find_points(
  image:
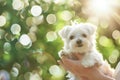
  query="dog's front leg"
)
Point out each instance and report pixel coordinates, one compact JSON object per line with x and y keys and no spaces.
{"x":88,"y":60}
{"x":62,"y":53}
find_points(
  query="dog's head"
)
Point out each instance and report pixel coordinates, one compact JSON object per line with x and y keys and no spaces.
{"x":78,"y":38}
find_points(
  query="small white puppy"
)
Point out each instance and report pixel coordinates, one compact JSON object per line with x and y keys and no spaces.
{"x":80,"y":38}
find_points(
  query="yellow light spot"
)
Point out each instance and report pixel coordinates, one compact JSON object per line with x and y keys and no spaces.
{"x":35,"y":76}
{"x":119,"y":41}
{"x":116,"y":34}
{"x":32,"y":36}
{"x":51,"y":36}
{"x":66,"y":15}
{"x":41,"y":58}
{"x":114,"y":56}
{"x":38,"y":20}
{"x":104,"y":41}
{"x":33,"y":29}
{"x":32,"y":21}
{"x":55,"y":71}
{"x":29,"y":21}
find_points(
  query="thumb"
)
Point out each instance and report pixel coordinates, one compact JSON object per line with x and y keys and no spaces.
{"x":71,"y":64}
{"x":67,"y":61}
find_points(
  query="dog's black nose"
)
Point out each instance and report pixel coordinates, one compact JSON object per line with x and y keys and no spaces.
{"x":79,"y":41}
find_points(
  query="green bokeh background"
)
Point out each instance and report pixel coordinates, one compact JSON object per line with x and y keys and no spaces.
{"x":44,"y":53}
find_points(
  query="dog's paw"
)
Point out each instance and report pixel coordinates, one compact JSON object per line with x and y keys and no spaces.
{"x":70,"y":76}
{"x":61,"y":53}
{"x":88,"y":63}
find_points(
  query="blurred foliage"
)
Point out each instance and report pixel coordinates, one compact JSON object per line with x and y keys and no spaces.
{"x":29,"y":43}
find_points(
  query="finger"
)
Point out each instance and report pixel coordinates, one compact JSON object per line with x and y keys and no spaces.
{"x":83,"y":78}
{"x":67,"y":61}
{"x":71,"y":65}
{"x":61,"y":63}
{"x":66,"y":65}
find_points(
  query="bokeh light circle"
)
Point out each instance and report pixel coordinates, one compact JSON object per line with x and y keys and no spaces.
{"x":17,"y":4}
{"x":4,"y":75}
{"x":36,"y":10}
{"x":55,"y":70}
{"x":51,"y":18}
{"x":25,"y":40}
{"x":66,"y":15}
{"x":7,"y":46}
{"x":51,"y":36}
{"x":15,"y":29}
{"x":2,"y":33}
{"x":114,"y":56}
{"x":15,"y":72}
{"x":116,"y":34}
{"x":2,"y":21}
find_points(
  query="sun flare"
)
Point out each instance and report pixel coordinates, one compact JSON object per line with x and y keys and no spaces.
{"x":102,"y":7}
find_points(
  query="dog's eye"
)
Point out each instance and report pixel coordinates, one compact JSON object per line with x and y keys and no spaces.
{"x":71,"y":37}
{"x":84,"y":35}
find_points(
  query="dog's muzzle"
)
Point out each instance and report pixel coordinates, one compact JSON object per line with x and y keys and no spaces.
{"x":79,"y":43}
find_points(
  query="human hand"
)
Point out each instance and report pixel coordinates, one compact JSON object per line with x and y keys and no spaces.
{"x":74,"y":66}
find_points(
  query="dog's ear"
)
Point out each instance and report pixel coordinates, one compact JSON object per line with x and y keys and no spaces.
{"x":64,"y":32}
{"x":91,"y":29}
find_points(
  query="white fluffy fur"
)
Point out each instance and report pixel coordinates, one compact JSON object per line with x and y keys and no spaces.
{"x":84,"y":33}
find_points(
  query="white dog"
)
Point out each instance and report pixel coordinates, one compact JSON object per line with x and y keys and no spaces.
{"x":80,"y":38}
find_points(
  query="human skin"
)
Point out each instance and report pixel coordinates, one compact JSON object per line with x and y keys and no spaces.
{"x":74,"y":66}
